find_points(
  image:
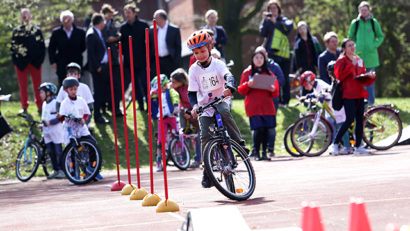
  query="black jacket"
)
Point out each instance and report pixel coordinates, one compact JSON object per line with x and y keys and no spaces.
{"x":27,"y":46}
{"x":62,"y":50}
{"x":137,"y":31}
{"x":221,"y":39}
{"x":111,"y":31}
{"x":173,"y":41}
{"x":95,"y":50}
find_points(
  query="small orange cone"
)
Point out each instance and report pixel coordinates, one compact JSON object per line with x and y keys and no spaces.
{"x":311,"y":220}
{"x":359,"y":220}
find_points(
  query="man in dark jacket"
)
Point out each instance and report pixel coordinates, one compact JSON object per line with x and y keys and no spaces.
{"x":67,"y":44}
{"x":28,"y":51}
{"x":135,"y":28}
{"x":275,"y":28}
{"x":169,"y":43}
{"x":98,"y":65}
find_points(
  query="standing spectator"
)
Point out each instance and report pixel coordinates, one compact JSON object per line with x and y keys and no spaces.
{"x":259,"y":105}
{"x":67,"y":44}
{"x":307,"y":49}
{"x":276,"y":28}
{"x":135,"y":28}
{"x":98,"y":64}
{"x":347,"y":67}
{"x":112,"y":36}
{"x":28,"y":51}
{"x":368,"y":35}
{"x":220,"y":37}
{"x":169,"y":43}
{"x":330,"y":54}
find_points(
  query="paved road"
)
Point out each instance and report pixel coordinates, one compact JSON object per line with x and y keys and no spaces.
{"x":383,"y":180}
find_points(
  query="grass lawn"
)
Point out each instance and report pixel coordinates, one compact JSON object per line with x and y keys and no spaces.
{"x":13,"y":142}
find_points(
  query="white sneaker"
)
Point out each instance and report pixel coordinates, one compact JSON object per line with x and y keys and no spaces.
{"x":344,"y":151}
{"x":334,"y":149}
{"x":361,"y":151}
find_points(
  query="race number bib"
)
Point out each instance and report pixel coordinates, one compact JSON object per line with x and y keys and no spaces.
{"x":210,"y":81}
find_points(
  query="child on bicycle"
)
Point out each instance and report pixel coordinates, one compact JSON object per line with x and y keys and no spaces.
{"x":74,"y":70}
{"x":210,"y":78}
{"x":52,"y":129}
{"x":179,"y":81}
{"x":75,"y":106}
{"x":321,"y":90}
{"x":169,"y":107}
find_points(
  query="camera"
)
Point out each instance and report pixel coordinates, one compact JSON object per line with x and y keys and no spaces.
{"x":269,"y":15}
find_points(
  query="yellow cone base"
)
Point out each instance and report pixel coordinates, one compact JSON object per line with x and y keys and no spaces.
{"x":138,"y":194}
{"x":167,"y":206}
{"x":151,"y":200}
{"x":128,"y":188}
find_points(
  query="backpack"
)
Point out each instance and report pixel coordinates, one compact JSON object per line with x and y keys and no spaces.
{"x":357,"y":27}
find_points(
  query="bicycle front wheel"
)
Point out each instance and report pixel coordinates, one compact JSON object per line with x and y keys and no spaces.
{"x":179,"y":152}
{"x":287,"y":141}
{"x":311,"y":143}
{"x":82,"y":163}
{"x":235,"y":182}
{"x":382,"y":129}
{"x":27,"y":162}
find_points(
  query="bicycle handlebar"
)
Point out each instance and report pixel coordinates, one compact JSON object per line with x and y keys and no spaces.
{"x":28,"y":119}
{"x":217,"y":100}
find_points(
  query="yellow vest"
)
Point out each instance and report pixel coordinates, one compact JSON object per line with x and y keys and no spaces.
{"x":280,"y":43}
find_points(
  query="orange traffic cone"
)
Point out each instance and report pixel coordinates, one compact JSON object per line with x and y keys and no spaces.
{"x":358,"y":216}
{"x":311,"y":220}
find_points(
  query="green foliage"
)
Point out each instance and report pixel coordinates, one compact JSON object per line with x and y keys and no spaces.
{"x":45,"y":14}
{"x":394,"y":53}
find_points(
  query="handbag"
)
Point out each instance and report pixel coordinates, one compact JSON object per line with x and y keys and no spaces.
{"x":337,"y":97}
{"x":4,"y":127}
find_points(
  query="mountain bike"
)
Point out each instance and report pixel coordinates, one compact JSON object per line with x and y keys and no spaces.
{"x":32,"y":154}
{"x":81,"y":156}
{"x":226,"y":162}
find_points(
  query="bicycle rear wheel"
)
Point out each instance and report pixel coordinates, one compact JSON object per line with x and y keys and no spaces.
{"x":287,"y":141}
{"x":307,"y":143}
{"x":83,"y":163}
{"x":236,"y":183}
{"x":27,"y":164}
{"x":382,"y":129}
{"x":179,"y":152}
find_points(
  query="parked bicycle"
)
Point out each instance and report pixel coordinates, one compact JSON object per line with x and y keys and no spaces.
{"x":33,"y":154}
{"x":81,"y":156}
{"x":226,"y":162}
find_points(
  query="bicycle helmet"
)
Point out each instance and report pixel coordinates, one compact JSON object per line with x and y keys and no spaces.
{"x":69,"y":82}
{"x":73,"y":65}
{"x":306,"y":77}
{"x":331,"y":67}
{"x":46,"y":86}
{"x":154,"y":83}
{"x":199,"y":39}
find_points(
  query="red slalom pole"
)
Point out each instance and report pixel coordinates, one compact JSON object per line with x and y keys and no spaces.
{"x":125,"y":113}
{"x":117,"y":186}
{"x":149,"y":108}
{"x":161,"y":121}
{"x":135,"y":113}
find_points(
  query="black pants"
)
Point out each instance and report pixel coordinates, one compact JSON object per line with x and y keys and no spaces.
{"x":101,"y":82}
{"x":116,"y":78}
{"x":167,"y":65}
{"x":140,"y":84}
{"x":354,"y":109}
{"x":285,"y":89}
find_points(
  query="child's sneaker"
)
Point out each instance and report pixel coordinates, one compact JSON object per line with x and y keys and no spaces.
{"x":159,"y":167}
{"x":52,"y":175}
{"x":361,"y":151}
{"x":98,"y":177}
{"x":194,"y":164}
{"x":206,"y":182}
{"x":344,"y":151}
{"x":334,"y":149}
{"x":60,"y":175}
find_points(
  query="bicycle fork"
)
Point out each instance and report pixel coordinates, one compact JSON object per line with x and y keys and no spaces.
{"x":227,"y":146}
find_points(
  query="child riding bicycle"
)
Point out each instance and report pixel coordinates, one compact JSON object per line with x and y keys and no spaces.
{"x":52,"y":129}
{"x":74,"y":107}
{"x":210,"y":78}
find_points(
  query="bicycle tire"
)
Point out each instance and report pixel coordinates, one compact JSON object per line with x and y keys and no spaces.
{"x":303,"y":127}
{"x":214,"y":146}
{"x":34,"y":163}
{"x":373,"y":134}
{"x":72,"y":169}
{"x":289,"y":147}
{"x":181,"y":158}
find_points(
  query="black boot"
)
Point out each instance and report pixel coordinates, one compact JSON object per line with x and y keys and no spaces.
{"x":206,"y":182}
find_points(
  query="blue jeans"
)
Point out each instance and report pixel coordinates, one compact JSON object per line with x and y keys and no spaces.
{"x":56,"y":155}
{"x":371,"y":89}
